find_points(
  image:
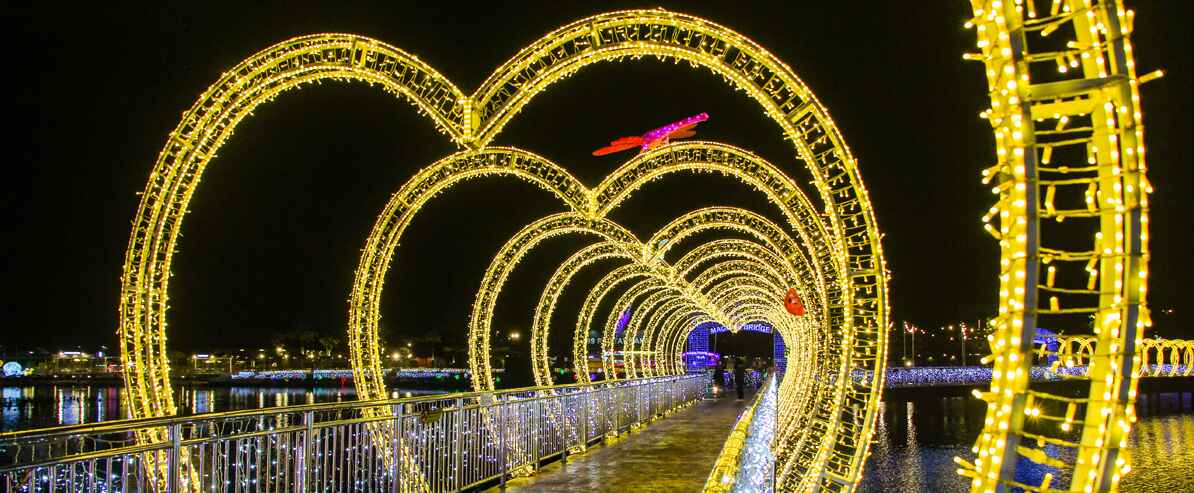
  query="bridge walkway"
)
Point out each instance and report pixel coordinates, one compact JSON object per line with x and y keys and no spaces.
{"x":673,"y":454}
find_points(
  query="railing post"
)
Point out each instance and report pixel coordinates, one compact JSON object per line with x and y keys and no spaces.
{"x":396,"y":446}
{"x":584,"y":413}
{"x":173,"y":459}
{"x":502,"y":444}
{"x":638,"y":406}
{"x":308,"y":445}
{"x":655,"y":399}
{"x":622,"y":409}
{"x":563,"y":432}
{"x":583,"y":416}
{"x":458,"y":443}
{"x":537,"y":426}
{"x":616,"y":402}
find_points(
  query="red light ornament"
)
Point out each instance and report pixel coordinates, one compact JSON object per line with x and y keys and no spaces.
{"x":793,"y":304}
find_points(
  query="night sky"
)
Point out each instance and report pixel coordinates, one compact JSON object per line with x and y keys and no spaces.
{"x":277,"y":224}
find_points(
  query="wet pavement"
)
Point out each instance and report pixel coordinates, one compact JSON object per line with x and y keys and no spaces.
{"x":675,"y":453}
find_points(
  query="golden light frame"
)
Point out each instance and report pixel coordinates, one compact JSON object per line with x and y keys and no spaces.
{"x":840,"y":241}
{"x":1065,"y":109}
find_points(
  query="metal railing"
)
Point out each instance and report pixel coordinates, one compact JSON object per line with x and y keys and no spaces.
{"x":436,"y":443}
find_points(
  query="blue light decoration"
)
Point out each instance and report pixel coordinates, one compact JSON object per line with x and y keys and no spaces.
{"x":699,"y":361}
{"x":930,"y":376}
{"x":779,"y":355}
{"x":1048,"y":339}
{"x":761,"y":328}
{"x":13,"y":369}
{"x":698,"y":341}
{"x":698,"y":358}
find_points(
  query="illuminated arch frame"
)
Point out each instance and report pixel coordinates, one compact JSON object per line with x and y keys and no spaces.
{"x":695,"y":156}
{"x":546,"y":305}
{"x":778,"y":188}
{"x":695,"y":221}
{"x":1095,"y":85}
{"x":700,"y":220}
{"x":723,"y":218}
{"x":640,"y":359}
{"x":1081,"y":351}
{"x":473,"y":122}
{"x":789,"y":421}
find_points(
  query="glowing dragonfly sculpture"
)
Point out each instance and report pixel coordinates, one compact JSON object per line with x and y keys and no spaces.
{"x":655,"y":138}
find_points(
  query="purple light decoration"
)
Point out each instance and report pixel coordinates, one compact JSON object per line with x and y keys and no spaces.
{"x":287,"y":375}
{"x":623,"y":321}
{"x":650,"y":138}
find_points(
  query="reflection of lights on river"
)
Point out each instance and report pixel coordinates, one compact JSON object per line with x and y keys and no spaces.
{"x":70,"y":405}
{"x":203,"y":401}
{"x":11,"y":404}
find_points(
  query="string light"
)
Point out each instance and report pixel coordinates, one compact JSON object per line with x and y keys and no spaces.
{"x":1098,"y":157}
{"x":840,"y":236}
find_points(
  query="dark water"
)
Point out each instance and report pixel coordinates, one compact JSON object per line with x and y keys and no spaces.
{"x":38,"y":406}
{"x":916,"y":442}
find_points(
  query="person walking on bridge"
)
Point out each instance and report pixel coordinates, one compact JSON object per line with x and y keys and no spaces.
{"x":740,"y":378}
{"x":719,"y":377}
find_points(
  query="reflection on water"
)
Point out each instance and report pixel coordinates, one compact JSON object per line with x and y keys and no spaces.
{"x":916,"y":442}
{"x":1163,"y":459}
{"x":38,"y":406}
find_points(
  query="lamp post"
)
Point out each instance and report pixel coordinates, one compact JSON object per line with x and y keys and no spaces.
{"x":913,"y":345}
{"x":904,"y":343}
{"x":962,"y":338}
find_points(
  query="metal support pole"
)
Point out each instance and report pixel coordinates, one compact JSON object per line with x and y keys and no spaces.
{"x":173,"y":459}
{"x":638,"y":405}
{"x":396,"y":449}
{"x":502,"y":445}
{"x":308,"y":452}
{"x":962,"y":330}
{"x":564,"y":420}
{"x":619,"y":409}
{"x":458,"y":443}
{"x":537,"y":433}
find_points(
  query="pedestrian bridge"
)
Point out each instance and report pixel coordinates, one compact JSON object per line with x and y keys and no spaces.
{"x":659,"y":434}
{"x":672,"y":433}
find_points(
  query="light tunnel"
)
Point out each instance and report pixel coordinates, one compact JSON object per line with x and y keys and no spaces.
{"x":827,"y":246}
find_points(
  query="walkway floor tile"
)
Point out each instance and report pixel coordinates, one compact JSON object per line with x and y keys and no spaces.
{"x":673,"y":454}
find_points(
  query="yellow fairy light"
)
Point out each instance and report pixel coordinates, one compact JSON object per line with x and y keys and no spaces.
{"x":1110,"y":166}
{"x":833,"y":249}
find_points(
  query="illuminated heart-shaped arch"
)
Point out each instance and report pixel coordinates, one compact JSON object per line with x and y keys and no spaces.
{"x":851,"y":243}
